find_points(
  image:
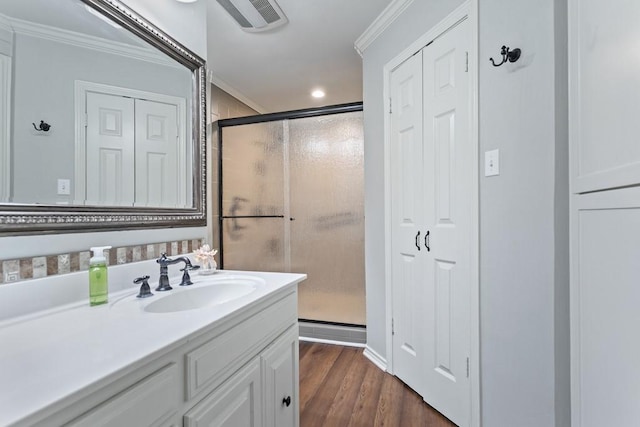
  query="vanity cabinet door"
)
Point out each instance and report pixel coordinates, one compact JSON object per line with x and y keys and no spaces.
{"x":237,"y":403}
{"x":280,"y":380}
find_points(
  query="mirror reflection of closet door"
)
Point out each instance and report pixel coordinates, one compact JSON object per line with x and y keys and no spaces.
{"x":131,"y":151}
{"x":110,"y":150}
{"x":157,"y":181}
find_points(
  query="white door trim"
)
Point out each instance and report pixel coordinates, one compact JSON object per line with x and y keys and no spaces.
{"x":5,"y":128}
{"x":184,"y":129}
{"x":468,"y":10}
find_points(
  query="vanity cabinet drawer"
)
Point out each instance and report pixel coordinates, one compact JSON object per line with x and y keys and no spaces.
{"x":150,"y":402}
{"x":210,"y":364}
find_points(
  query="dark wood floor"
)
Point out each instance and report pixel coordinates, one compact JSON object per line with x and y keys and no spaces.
{"x":339,"y":387}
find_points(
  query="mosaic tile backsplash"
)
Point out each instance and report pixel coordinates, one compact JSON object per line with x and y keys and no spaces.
{"x":17,"y":270}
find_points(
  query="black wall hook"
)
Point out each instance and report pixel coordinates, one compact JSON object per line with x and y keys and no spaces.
{"x":507,"y":55}
{"x":44,"y":127}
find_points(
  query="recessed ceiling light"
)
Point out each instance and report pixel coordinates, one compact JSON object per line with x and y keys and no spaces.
{"x":187,"y":1}
{"x":318,"y":93}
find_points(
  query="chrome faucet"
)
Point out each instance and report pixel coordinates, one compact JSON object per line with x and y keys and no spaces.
{"x":163,"y":283}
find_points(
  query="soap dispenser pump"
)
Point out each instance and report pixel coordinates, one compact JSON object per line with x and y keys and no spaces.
{"x":98,"y":282}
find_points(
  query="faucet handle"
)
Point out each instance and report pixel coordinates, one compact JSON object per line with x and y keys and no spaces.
{"x":163,"y":259}
{"x":186,"y":279}
{"x":145,"y":291}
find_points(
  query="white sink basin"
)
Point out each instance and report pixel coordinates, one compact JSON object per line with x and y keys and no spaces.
{"x":204,"y":293}
{"x":205,"y":296}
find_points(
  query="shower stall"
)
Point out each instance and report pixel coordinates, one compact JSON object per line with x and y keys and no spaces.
{"x":291,"y":199}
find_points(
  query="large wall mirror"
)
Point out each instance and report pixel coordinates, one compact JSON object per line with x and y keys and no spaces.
{"x":102,"y":120}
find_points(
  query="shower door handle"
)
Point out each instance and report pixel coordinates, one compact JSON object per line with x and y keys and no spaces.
{"x":418,"y":240}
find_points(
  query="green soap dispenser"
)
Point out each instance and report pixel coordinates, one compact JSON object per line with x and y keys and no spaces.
{"x":98,"y":283}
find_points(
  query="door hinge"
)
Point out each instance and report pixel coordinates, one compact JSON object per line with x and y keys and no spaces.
{"x":86,"y":120}
{"x":390,"y":108}
{"x":393,"y":331}
{"x":466,"y":67}
{"x":467,"y":367}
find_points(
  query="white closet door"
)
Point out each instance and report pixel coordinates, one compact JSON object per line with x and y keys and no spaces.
{"x":110,"y":150}
{"x":157,"y":181}
{"x":432,"y":188}
{"x":448,"y":165}
{"x":407,"y":213}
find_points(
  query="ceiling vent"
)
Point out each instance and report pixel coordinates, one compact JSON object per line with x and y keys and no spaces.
{"x":255,"y":15}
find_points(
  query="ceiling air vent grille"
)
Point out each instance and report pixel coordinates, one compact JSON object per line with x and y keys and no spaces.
{"x":266,"y":10}
{"x":255,"y":15}
{"x":235,"y":13}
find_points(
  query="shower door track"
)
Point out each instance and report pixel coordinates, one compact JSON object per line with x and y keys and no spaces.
{"x":252,"y":216}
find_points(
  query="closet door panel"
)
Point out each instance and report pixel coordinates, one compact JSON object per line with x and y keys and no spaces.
{"x":448,"y":193}
{"x":407,"y":216}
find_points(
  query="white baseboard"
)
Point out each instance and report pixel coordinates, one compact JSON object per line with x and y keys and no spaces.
{"x":374,"y":357}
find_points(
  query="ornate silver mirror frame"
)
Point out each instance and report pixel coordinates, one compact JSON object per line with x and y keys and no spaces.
{"x":18,"y":219}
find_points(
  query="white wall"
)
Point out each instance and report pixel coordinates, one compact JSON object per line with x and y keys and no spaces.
{"x":523,"y":212}
{"x":187,"y":24}
{"x":517,"y":116}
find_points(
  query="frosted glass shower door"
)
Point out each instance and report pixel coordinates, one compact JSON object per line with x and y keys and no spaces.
{"x":327,"y":201}
{"x":252,"y":221}
{"x":292,"y":201}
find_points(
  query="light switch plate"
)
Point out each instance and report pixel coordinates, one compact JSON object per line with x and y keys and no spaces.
{"x":492,"y":163}
{"x":64,"y":187}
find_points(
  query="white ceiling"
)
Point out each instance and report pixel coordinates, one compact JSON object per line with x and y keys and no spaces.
{"x":72,"y":15}
{"x":277,"y":70}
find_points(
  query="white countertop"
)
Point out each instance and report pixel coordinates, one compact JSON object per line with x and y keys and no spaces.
{"x":50,"y":355}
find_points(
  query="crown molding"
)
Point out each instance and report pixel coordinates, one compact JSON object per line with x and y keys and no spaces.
{"x":213,"y":79}
{"x":4,"y":23}
{"x":86,"y":41}
{"x":377,"y":27}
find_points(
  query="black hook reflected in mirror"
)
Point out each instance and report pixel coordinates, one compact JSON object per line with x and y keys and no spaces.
{"x":507,"y":55}
{"x":44,"y":127}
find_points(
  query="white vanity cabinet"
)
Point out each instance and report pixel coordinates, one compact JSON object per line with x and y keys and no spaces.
{"x":281,"y":382}
{"x":238,"y":402}
{"x":263,"y":393}
{"x":150,"y":402}
{"x":241,"y":370}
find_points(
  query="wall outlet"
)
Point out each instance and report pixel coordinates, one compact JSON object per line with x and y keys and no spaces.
{"x":64,"y":187}
{"x":11,"y":276}
{"x":492,"y":163}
